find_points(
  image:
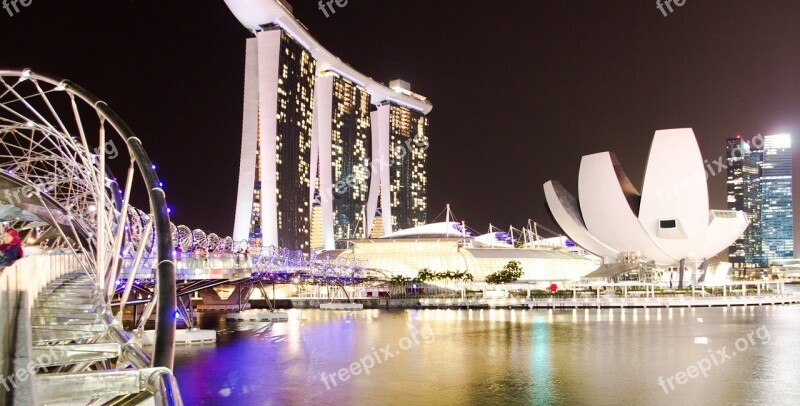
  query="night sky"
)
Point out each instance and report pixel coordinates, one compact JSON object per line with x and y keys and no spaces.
{"x":520,"y":89}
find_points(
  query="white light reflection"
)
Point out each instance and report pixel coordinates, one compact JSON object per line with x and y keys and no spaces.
{"x":541,"y":390}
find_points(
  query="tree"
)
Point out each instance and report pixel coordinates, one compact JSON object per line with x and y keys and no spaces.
{"x":510,"y":273}
{"x":425,"y":275}
{"x":514,"y":269}
{"x":399,"y":280}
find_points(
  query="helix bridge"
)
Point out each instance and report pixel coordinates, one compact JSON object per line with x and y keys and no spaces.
{"x":97,"y":244}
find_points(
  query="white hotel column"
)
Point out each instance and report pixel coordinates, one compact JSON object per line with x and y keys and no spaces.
{"x":321,"y":147}
{"x":379,"y":179}
{"x":269,"y":47}
{"x":266,"y":54}
{"x":247,"y":163}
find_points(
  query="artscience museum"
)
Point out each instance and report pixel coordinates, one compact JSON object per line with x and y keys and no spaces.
{"x":668,"y":221}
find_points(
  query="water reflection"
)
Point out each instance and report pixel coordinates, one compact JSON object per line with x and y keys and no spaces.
{"x":494,"y":357}
{"x":541,"y":392}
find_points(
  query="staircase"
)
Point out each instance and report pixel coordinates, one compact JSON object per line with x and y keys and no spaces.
{"x":75,"y":352}
{"x":85,"y":355}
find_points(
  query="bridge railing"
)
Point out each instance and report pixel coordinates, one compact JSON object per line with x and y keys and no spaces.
{"x":189,"y":266}
{"x":194,"y":261}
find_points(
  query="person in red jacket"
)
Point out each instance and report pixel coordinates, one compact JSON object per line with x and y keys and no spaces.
{"x":10,"y":248}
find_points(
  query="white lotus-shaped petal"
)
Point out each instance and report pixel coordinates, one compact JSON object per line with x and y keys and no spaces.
{"x":668,"y":222}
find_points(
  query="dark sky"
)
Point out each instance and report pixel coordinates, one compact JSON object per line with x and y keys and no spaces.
{"x":521,"y":89}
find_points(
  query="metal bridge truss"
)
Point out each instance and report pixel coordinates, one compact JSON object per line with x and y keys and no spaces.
{"x":58,"y":146}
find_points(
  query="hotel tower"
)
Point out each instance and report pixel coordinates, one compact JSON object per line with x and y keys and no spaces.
{"x":327,"y":152}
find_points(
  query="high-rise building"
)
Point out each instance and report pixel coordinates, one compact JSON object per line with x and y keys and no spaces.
{"x":760,"y":184}
{"x":273,"y":204}
{"x":776,"y":191}
{"x":744,"y":193}
{"x":321,"y":139}
{"x":399,"y":183}
{"x":344,"y":146}
{"x":408,"y":139}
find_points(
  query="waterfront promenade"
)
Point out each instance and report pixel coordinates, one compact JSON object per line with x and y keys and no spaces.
{"x":577,"y":302}
{"x":615,"y":302}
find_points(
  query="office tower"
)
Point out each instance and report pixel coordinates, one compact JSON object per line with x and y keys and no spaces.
{"x":744,"y":193}
{"x":776,"y":193}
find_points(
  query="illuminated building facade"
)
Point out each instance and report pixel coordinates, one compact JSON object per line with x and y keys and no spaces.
{"x":351,"y":139}
{"x":343,"y":145}
{"x":760,"y":184}
{"x":409,"y":143}
{"x":399,"y":181}
{"x":744,"y":194}
{"x":276,"y":152}
{"x":776,"y":191}
{"x":320,"y":159}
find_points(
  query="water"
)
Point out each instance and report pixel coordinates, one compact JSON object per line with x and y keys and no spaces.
{"x":500,"y":357}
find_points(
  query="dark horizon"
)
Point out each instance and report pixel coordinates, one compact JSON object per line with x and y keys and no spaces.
{"x":519,"y":92}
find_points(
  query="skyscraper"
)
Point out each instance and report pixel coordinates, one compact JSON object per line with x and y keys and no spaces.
{"x":343,"y":145}
{"x":319,"y":139}
{"x":408,"y":139}
{"x":744,"y":193}
{"x":776,"y":191}
{"x":399,"y":182}
{"x":273,"y":203}
{"x":760,"y":184}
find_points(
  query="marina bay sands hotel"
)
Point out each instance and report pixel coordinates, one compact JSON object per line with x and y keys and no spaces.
{"x":327,"y":152}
